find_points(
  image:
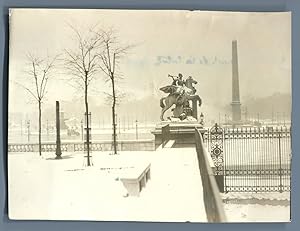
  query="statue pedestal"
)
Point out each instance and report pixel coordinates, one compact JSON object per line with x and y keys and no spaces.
{"x":183,"y":132}
{"x":195,"y":109}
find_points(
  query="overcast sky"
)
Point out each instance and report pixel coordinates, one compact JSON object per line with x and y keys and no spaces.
{"x":168,"y":42}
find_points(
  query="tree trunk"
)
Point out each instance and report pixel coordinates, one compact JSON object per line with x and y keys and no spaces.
{"x":87,"y":123}
{"x":114,"y":116}
{"x":40,"y":127}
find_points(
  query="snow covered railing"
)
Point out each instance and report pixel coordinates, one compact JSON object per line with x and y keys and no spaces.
{"x":211,"y":195}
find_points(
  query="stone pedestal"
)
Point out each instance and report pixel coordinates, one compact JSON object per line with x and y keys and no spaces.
{"x":182,"y":132}
{"x":195,"y":109}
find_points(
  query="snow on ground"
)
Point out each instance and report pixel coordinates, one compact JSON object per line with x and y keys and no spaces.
{"x":257,"y":207}
{"x":278,"y":197}
{"x":45,"y":188}
{"x":256,"y":213}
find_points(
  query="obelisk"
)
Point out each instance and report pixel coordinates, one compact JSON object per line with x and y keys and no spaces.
{"x":235,"y":104}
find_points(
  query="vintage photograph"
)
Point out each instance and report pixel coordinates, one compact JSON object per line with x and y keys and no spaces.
{"x":149,"y":115}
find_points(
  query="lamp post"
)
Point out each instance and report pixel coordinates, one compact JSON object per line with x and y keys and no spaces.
{"x":81,"y":123}
{"x":123,"y":123}
{"x":202,"y":119}
{"x":47,"y":129}
{"x":58,"y":141}
{"x":28,"y":130}
{"x":136,"y":129}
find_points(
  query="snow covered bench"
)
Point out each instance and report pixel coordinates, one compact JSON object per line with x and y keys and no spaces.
{"x":135,"y":179}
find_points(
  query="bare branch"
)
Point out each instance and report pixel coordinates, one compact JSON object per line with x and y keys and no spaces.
{"x":38,"y":71}
{"x":82,"y":62}
{"x":28,"y":90}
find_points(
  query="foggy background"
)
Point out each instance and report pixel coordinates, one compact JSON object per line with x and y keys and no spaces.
{"x":167,"y":42}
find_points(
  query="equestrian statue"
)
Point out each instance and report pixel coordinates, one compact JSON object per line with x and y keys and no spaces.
{"x":180,"y":92}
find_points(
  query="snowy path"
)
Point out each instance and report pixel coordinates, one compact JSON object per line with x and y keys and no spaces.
{"x":176,"y":188}
{"x":41,"y":188}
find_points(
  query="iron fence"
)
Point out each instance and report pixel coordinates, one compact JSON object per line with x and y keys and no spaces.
{"x":252,"y":159}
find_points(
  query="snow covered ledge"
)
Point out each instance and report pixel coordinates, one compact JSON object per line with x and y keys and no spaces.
{"x":212,"y":200}
{"x":134,"y":180}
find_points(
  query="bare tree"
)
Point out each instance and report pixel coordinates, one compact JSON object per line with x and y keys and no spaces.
{"x":39,"y":71}
{"x":110,"y":58}
{"x":81,"y":62}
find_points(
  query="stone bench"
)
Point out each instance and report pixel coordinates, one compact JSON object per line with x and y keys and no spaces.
{"x":135,"y":179}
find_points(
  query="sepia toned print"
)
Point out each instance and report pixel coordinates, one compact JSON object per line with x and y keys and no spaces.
{"x":149,"y":115}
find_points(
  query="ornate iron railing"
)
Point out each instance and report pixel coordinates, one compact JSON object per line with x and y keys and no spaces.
{"x":212,"y":200}
{"x":252,"y":159}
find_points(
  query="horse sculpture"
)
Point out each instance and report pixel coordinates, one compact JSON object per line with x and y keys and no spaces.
{"x":168,"y":101}
{"x":178,"y":99}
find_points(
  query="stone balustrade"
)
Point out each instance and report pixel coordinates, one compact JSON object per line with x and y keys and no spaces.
{"x":78,"y":146}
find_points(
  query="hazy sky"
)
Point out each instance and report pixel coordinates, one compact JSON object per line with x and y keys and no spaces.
{"x":168,"y":42}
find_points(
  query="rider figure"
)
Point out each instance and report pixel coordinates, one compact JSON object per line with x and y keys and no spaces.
{"x":177,"y":80}
{"x":179,"y":83}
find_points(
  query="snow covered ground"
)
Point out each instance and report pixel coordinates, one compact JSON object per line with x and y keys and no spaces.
{"x":257,"y":213}
{"x":49,"y":189}
{"x":45,"y":188}
{"x":257,"y":207}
